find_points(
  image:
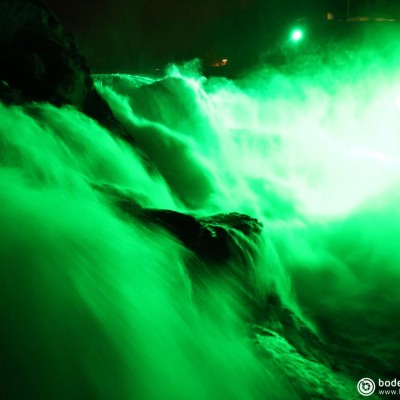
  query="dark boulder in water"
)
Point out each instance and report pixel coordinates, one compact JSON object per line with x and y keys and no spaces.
{"x":216,"y":238}
{"x":40,"y":62}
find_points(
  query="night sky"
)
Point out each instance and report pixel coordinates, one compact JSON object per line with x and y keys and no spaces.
{"x":132,"y":34}
{"x":129,"y":35}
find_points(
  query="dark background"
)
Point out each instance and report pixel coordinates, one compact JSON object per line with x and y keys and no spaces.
{"x":134,"y":35}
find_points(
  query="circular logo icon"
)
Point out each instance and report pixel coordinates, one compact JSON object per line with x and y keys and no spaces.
{"x":366,"y":386}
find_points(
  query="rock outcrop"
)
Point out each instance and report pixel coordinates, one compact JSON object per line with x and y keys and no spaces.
{"x":40,"y":62}
{"x":217,"y":238}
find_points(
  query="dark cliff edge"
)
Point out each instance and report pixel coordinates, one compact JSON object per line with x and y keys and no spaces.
{"x":40,"y":62}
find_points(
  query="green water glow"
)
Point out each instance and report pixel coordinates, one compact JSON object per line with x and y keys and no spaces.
{"x":99,"y":306}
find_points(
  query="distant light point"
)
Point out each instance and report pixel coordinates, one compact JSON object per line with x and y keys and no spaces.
{"x":297,"y":35}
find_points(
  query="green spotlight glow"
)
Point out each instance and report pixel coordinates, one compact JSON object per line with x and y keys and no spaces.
{"x":297,"y":34}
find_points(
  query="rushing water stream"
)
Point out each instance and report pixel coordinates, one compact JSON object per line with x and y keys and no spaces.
{"x":312,"y":151}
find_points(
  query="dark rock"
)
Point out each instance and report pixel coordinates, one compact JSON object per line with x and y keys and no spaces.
{"x":39,"y":62}
{"x":225,"y":244}
{"x":9,"y":95}
{"x":217,"y":238}
{"x":38,"y":58}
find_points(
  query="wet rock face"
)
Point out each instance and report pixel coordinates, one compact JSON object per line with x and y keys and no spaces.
{"x":217,"y":238}
{"x":40,"y":62}
{"x":38,"y":59}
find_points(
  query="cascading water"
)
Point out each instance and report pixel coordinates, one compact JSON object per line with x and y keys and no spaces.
{"x":312,"y":152}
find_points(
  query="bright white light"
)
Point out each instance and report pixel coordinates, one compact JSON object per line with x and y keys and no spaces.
{"x":297,"y":34}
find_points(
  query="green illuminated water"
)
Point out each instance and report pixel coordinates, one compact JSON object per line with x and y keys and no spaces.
{"x":96,"y":306}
